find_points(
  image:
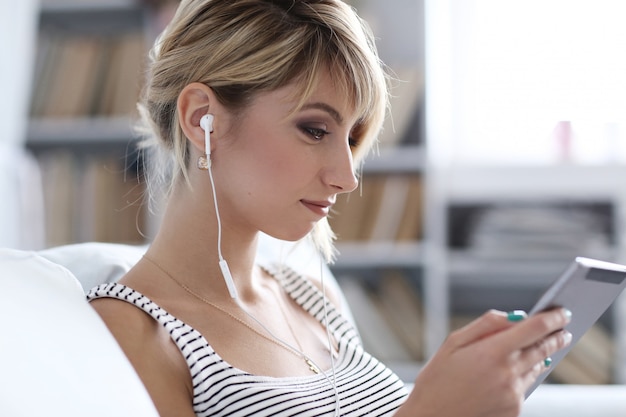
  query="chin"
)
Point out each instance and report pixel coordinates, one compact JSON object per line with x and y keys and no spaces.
{"x":289,"y":235}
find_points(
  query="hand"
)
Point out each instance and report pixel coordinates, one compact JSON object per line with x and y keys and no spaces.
{"x":485,"y":368}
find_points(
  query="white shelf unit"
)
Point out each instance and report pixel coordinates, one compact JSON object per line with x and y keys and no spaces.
{"x":450,"y":183}
{"x":101,"y":18}
{"x":99,"y":15}
{"x":51,"y":132}
{"x":364,"y":259}
{"x":398,"y":26}
{"x":89,"y":136}
{"x":389,"y":161}
{"x":496,"y":278}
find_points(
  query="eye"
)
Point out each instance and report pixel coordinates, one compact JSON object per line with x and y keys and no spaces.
{"x":315,"y":132}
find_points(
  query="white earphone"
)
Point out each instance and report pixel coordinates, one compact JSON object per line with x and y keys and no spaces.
{"x":206,"y":123}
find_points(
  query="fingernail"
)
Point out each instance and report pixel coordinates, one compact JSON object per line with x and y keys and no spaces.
{"x":567,"y":313}
{"x":516,"y":315}
{"x":547,"y":362}
{"x":567,"y":338}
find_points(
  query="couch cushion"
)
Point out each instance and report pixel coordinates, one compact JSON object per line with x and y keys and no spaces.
{"x":57,"y":357}
{"x":95,"y":263}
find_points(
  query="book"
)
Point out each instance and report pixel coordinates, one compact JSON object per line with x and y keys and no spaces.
{"x":372,"y":199}
{"x":353,"y":214}
{"x":378,"y":338}
{"x":84,"y":76}
{"x":90,"y":199}
{"x":411,"y":221}
{"x":72,"y":84}
{"x":590,"y":361}
{"x":401,"y":306}
{"x":389,"y":215}
{"x":389,"y":208}
{"x":404,"y":101}
{"x":46,"y":65}
{"x":59,"y":187}
{"x":122,"y":78}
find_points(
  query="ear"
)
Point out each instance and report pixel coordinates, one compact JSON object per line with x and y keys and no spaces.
{"x":194,"y":101}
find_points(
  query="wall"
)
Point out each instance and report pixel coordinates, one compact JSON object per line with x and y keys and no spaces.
{"x":17,"y":173}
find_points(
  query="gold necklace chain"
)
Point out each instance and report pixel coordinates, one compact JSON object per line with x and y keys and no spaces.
{"x":273,"y":340}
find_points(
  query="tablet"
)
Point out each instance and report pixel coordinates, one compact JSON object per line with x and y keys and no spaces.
{"x":587,"y":288}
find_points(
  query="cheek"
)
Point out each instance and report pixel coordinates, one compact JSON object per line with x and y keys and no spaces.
{"x":279,"y":166}
{"x":275,"y":172}
{"x":258,"y":171}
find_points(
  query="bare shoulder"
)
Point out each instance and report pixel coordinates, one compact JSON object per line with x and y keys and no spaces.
{"x":129,"y":324}
{"x":152,"y":353}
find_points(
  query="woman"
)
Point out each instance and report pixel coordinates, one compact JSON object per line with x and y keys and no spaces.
{"x":266,"y":109}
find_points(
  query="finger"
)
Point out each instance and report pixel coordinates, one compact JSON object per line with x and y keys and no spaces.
{"x":532,"y":330}
{"x":544,"y":349}
{"x":531,"y":376}
{"x":528,"y":379}
{"x":486,"y":325}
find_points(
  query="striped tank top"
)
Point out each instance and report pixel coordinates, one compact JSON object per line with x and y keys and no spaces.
{"x":366,"y":387}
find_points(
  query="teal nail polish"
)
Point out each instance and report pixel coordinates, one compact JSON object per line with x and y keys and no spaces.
{"x":516,"y":315}
{"x":547,"y":362}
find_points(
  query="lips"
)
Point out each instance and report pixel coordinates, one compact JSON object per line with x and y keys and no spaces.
{"x":320,"y":208}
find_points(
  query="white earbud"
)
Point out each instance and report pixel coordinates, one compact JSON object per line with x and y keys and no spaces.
{"x":206,"y":123}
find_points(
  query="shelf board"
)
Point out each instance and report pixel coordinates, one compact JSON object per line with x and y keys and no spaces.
{"x":81,"y":131}
{"x":397,"y":159}
{"x":468,"y":270}
{"x":379,"y":254}
{"x":502,"y":183}
{"x":99,"y":17}
{"x":68,"y":6}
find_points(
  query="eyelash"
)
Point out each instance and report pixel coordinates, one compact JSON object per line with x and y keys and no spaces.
{"x":318,"y":134}
{"x":315,"y":132}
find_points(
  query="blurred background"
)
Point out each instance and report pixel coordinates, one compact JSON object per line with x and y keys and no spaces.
{"x":502,"y":159}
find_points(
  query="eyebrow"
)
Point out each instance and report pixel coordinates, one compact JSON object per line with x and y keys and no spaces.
{"x":327,"y":108}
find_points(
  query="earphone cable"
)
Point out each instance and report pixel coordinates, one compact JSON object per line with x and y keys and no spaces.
{"x":328,"y":337}
{"x":217,"y":212}
{"x":332,"y":381}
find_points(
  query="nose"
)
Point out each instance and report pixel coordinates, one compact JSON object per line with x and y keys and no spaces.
{"x":340,"y":170}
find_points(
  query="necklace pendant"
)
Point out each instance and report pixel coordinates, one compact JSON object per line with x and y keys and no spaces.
{"x":312,"y":366}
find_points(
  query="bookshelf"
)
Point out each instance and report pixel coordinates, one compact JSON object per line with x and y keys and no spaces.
{"x":471,"y":281}
{"x":382,"y":262}
{"x":87,"y":78}
{"x":381,"y":249}
{"x":541,"y":217}
{"x":443,"y":286}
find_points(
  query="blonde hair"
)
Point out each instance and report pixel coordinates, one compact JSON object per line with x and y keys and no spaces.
{"x":241,"y":48}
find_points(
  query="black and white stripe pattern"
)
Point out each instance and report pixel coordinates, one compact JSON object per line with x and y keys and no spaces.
{"x":366,"y":387}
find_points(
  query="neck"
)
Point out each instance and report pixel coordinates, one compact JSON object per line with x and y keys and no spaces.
{"x":187,"y":246}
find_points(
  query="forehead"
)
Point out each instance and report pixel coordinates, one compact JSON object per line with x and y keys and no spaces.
{"x":324,"y":94}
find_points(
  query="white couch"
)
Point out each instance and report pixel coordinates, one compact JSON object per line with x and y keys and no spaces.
{"x":57,"y":357}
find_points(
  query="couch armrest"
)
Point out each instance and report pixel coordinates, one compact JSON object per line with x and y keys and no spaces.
{"x":56,"y":355}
